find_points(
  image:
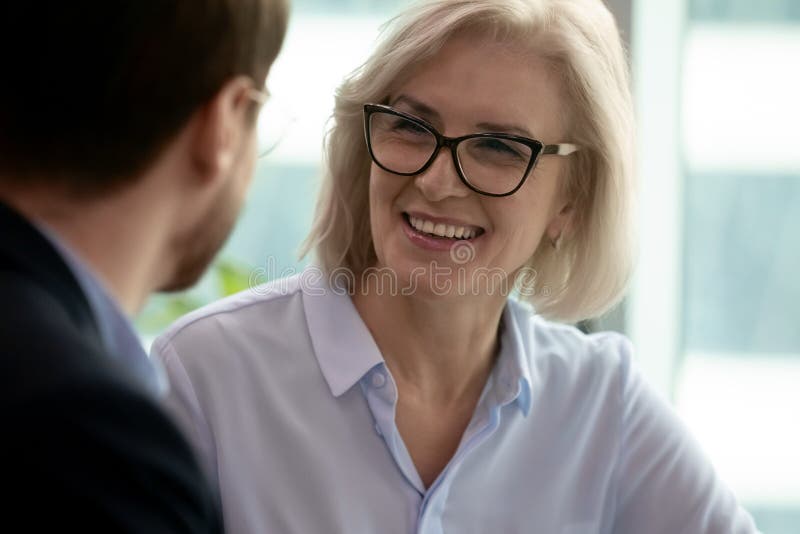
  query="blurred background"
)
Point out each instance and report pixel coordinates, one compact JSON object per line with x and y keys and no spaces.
{"x":714,"y":310}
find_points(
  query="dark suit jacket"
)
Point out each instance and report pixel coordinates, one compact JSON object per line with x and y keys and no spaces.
{"x":83,"y":447}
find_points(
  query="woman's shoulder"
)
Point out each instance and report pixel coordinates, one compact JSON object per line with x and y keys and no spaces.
{"x":257,"y":311}
{"x":556,"y":348}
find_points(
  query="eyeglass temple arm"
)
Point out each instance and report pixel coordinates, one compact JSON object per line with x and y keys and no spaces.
{"x":562,"y":149}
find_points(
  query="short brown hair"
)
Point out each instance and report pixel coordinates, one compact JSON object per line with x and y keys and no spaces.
{"x":94,"y":89}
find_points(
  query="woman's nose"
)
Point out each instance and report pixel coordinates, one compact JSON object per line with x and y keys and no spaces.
{"x":441,"y":179}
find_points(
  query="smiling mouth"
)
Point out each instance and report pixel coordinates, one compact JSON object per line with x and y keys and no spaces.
{"x":442,"y":231}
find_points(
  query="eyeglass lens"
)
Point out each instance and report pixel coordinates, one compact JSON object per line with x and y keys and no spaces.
{"x":491,"y":164}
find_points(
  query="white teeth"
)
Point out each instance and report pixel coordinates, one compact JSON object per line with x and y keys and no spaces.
{"x":441,"y":229}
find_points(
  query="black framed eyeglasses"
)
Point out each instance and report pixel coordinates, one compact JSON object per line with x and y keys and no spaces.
{"x":493,"y":164}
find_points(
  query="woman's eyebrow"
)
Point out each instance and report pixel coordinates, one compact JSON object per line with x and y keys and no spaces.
{"x":505,"y":128}
{"x":432,"y":115}
{"x":418,"y":107}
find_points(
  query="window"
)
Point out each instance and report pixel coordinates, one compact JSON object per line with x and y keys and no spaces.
{"x":717,"y":84}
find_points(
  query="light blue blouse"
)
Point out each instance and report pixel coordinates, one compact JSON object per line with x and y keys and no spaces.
{"x":291,"y":408}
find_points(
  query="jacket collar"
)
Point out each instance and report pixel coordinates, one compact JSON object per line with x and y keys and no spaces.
{"x":25,"y":251}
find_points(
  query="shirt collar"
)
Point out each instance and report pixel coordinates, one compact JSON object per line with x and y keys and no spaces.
{"x":330,"y":313}
{"x":512,"y":374}
{"x":345,"y":359}
{"x":116,"y":331}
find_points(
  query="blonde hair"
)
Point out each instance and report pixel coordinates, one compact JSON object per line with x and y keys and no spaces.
{"x":588,"y":273}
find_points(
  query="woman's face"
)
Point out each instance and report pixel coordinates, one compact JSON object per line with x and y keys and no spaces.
{"x":470,"y":87}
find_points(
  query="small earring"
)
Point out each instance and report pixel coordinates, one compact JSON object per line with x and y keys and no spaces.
{"x":556,"y":243}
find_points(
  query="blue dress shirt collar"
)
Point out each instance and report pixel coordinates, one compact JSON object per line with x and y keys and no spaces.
{"x":116,"y":331}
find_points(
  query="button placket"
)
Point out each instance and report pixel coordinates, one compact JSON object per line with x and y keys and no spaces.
{"x":381,"y":396}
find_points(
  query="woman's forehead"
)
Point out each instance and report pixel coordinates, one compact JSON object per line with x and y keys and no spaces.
{"x":484,"y":83}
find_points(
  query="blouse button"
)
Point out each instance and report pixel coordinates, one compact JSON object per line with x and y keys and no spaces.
{"x":378,"y":379}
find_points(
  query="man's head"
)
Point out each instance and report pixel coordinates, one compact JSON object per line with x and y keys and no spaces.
{"x":100,"y":94}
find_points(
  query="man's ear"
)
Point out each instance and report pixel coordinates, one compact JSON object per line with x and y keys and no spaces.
{"x":218,"y":128}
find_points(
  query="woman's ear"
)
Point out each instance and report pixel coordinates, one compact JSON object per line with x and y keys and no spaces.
{"x":561,"y":223}
{"x":220,"y":127}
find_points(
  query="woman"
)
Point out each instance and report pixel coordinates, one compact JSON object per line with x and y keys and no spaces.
{"x":396,"y":387}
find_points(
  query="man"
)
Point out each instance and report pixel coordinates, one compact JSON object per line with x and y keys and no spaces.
{"x":127,"y":141}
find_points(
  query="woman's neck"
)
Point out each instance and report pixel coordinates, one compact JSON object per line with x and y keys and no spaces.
{"x":440,"y":350}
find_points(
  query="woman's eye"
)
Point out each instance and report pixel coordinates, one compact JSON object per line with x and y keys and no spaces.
{"x":498,"y":146}
{"x":408,"y":126}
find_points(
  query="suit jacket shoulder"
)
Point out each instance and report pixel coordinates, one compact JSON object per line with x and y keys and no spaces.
{"x":84,"y":446}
